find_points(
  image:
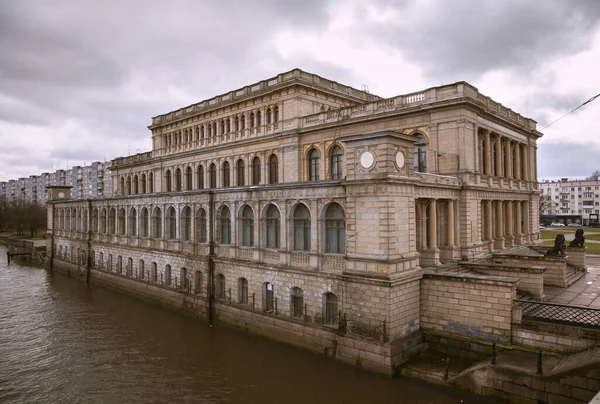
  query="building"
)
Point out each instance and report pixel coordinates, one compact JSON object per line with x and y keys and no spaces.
{"x":565,"y":201}
{"x":86,"y":182}
{"x":307,"y":210}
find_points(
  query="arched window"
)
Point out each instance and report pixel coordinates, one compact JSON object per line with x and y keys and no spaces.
{"x":212,"y":176}
{"x":122,"y":186}
{"x":95,"y":220}
{"x":157,"y":223}
{"x":301,"y":228}
{"x":189,"y":177}
{"x":101,"y":260}
{"x":336,"y":163}
{"x":273,"y":169}
{"x":168,"y":274}
{"x":331,"y":310}
{"x":258,"y":118}
{"x":225,"y":225}
{"x":183,"y":280}
{"x":313,"y":165}
{"x":275,"y":114}
{"x":132,"y":222}
{"x":168,"y":183}
{"x":109,"y":263}
{"x":268,"y":117}
{"x":119,"y":264}
{"x":143,"y":183}
{"x":122,"y":221}
{"x":255,"y":167}
{"x":141,"y":272}
{"x":243,"y":121}
{"x":241,"y":172}
{"x":200,"y":177}
{"x":335,"y":229}
{"x":252,"y":121}
{"x":268,"y":296}
{"x":103,"y":221}
{"x":178,"y":180}
{"x":222,"y":126}
{"x":273,"y":227}
{"x":128,"y":185}
{"x":112,"y":218}
{"x":73,"y":220}
{"x":200,"y":226}
{"x":151,"y":183}
{"x":197,"y":282}
{"x":237,"y":123}
{"x":220,"y":286}
{"x":129,"y":269}
{"x":186,"y":226}
{"x":201,"y":132}
{"x":226,"y":174}
{"x":297,"y":300}
{"x":171,"y":223}
{"x":144,"y":223}
{"x":420,"y":155}
{"x":154,"y":272}
{"x":247,"y":226}
{"x":243,"y":291}
{"x":136,"y":184}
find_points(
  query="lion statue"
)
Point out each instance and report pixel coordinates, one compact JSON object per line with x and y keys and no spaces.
{"x":579,"y":239}
{"x":559,"y":247}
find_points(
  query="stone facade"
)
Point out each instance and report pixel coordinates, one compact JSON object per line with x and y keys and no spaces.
{"x":301,"y":201}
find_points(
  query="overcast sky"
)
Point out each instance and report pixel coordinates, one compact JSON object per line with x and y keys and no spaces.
{"x":80,"y":80}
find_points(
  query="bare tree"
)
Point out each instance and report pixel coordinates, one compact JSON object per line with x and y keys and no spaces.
{"x":545,"y":203}
{"x":594,"y":177}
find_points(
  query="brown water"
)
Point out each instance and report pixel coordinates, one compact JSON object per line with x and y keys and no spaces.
{"x":62,"y":342}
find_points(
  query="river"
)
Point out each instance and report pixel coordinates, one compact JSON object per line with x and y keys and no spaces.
{"x":64,"y":342}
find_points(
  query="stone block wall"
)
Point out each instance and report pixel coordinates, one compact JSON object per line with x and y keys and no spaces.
{"x":578,"y":387}
{"x":554,"y":337}
{"x":531,"y":279}
{"x":576,"y":257}
{"x":556,"y":267}
{"x":468,"y":306}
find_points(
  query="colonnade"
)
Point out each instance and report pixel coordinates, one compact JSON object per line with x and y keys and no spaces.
{"x":238,"y":123}
{"x":500,"y":156}
{"x":504,"y":223}
{"x":435,"y":223}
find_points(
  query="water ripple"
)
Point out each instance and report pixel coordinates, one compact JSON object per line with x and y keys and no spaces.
{"x":62,"y":342}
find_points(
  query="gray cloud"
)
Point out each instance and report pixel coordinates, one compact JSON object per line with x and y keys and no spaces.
{"x":96,"y":72}
{"x":567,"y":159}
{"x":110,"y":66}
{"x":462,"y":39}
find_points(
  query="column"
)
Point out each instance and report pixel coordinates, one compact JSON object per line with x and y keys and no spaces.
{"x":499,"y":240}
{"x":526,"y":232}
{"x":450,"y":223}
{"x":488,"y":220}
{"x":507,"y":159}
{"x":498,"y":146}
{"x":487,"y":153}
{"x":517,"y":170}
{"x":509,"y":221}
{"x":518,"y":220}
{"x":432,"y":228}
{"x":525,"y":158}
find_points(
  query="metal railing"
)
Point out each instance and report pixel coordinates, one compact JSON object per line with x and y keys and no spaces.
{"x":561,"y":314}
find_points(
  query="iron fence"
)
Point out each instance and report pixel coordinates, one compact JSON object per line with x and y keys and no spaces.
{"x":561,"y":314}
